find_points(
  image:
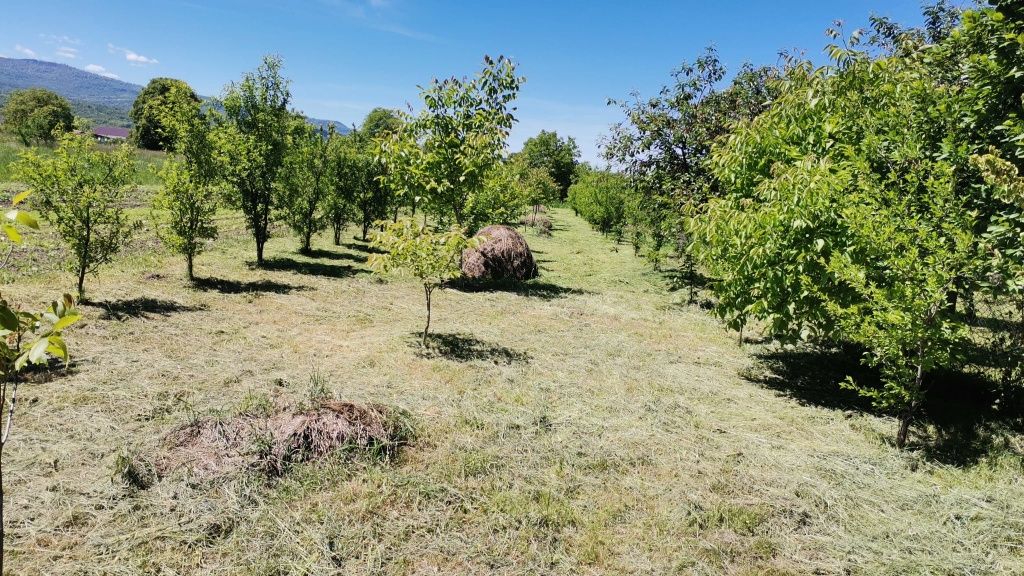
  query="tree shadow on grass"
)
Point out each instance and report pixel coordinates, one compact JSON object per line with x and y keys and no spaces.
{"x":465,"y":348}
{"x":329,"y":255}
{"x":530,"y":288}
{"x":239,"y":287}
{"x":141,"y":307}
{"x":360,"y":246}
{"x":964,"y":416}
{"x":285,"y":264}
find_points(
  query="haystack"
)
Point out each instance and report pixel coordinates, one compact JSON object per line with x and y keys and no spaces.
{"x":503,"y":255}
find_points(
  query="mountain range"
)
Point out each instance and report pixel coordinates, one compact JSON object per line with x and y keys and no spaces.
{"x":105,"y":101}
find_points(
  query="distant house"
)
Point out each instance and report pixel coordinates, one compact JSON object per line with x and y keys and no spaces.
{"x":110,"y":134}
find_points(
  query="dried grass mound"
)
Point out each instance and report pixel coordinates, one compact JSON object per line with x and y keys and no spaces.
{"x":542,"y":224}
{"x":503,"y":255}
{"x":211,"y":447}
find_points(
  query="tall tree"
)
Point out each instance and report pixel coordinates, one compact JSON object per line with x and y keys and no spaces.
{"x":459,"y":135}
{"x":665,"y":141}
{"x":187,"y":201}
{"x":251,"y":140}
{"x":555,"y":155}
{"x":35,"y":114}
{"x":162,"y":98}
{"x":306,"y":180}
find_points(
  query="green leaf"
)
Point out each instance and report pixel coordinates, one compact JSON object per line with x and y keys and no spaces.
{"x":12,"y":233}
{"x":38,"y":352}
{"x":23,"y":218}
{"x":8,"y":319}
{"x":20,"y":197}
{"x":65,"y":322}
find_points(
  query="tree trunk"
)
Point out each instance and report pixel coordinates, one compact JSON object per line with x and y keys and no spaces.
{"x":81,"y":282}
{"x":337,"y":235}
{"x":307,"y":242}
{"x":259,"y":251}
{"x":366,"y":229}
{"x":427,"y":290}
{"x":908,"y":414}
{"x":189,"y":258}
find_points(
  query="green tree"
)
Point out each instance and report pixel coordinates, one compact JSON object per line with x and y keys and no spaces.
{"x":447,"y":151}
{"x":539,"y":188}
{"x":348,"y":180}
{"x":188,"y":199}
{"x":556,"y":156}
{"x":35,"y":114}
{"x":162,"y":98}
{"x":81,"y":192}
{"x":502,"y":200}
{"x":307,"y":180}
{"x":429,"y":256}
{"x":251,"y":141}
{"x":601,"y":198}
{"x":848,"y":216}
{"x":665,"y":142}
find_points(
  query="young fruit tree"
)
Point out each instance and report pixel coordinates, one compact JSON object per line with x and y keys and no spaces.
{"x":347,"y":180}
{"x":306,"y":180}
{"x":25,"y":338}
{"x":251,"y":140}
{"x":184,"y":208}
{"x":456,"y":139}
{"x":81,"y":192}
{"x":430,"y":256}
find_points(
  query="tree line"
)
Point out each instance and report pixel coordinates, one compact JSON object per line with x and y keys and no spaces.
{"x":872,"y":203}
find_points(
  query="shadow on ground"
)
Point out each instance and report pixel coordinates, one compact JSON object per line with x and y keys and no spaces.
{"x":964,"y":417}
{"x":142,"y":307}
{"x":465,"y":348}
{"x":286,"y":264}
{"x":530,"y":288}
{"x":360,"y":246}
{"x":329,"y":255}
{"x":225,"y":286}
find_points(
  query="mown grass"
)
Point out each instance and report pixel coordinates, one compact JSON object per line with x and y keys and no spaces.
{"x":591,"y":423}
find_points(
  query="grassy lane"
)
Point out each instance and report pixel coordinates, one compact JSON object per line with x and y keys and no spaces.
{"x":587,"y":424}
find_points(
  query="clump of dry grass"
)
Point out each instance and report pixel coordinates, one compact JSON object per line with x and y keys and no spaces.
{"x":542,"y":224}
{"x":219,"y":445}
{"x":271,"y":442}
{"x":503,"y":255}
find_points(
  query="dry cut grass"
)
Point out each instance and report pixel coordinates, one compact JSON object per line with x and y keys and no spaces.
{"x":586,"y":423}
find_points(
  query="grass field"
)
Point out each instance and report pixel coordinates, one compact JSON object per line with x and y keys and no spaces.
{"x":147,"y":162}
{"x":589,"y":423}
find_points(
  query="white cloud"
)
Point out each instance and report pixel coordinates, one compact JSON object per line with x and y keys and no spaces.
{"x":59,"y":39}
{"x":24,"y":51}
{"x":132,"y":56}
{"x":97,"y":69}
{"x":66,"y":52}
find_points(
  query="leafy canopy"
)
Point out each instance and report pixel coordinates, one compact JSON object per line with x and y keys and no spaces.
{"x":81,"y":192}
{"x":35,"y":115}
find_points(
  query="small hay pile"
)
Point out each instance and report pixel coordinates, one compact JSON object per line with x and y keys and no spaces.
{"x":503,"y":255}
{"x":542,"y":224}
{"x":211,"y":447}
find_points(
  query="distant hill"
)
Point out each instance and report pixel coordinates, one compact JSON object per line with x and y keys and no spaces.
{"x":103,"y":100}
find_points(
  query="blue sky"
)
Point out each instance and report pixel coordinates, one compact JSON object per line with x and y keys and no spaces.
{"x":345,"y":57}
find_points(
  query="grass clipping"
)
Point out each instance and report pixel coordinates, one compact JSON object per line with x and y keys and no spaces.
{"x":271,"y":442}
